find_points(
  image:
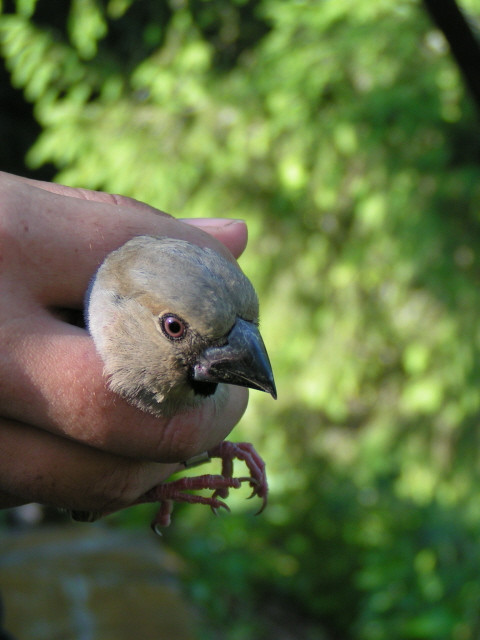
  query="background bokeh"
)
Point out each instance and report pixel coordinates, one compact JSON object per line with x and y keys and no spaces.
{"x":342,"y":133}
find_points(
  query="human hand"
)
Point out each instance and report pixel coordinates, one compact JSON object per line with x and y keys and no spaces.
{"x":65,"y":439}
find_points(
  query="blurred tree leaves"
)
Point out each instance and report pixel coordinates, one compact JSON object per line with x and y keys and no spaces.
{"x":341,"y":132}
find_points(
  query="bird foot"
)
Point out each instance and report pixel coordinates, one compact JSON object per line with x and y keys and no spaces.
{"x":170,"y":492}
{"x":244,"y":451}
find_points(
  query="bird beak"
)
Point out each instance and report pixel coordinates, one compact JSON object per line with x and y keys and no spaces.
{"x":243,"y":361}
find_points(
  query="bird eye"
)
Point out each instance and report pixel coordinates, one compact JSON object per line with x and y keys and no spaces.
{"x":173,"y":326}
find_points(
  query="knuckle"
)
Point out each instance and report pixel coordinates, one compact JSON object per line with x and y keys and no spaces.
{"x":119,"y":488}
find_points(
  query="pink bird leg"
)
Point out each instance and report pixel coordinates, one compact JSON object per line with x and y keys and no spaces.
{"x":177,"y":491}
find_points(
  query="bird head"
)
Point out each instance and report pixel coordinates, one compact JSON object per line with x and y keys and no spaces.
{"x":173,"y":323}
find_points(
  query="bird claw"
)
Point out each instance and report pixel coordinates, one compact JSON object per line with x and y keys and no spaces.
{"x":244,"y":451}
{"x":169,"y":492}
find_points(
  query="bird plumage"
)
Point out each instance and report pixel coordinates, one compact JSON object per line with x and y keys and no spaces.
{"x":176,"y":323}
{"x":140,"y":286}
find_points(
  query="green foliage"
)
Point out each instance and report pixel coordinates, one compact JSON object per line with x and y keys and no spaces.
{"x":340,"y":131}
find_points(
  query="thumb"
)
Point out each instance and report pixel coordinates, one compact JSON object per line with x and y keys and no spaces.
{"x":232,"y":233}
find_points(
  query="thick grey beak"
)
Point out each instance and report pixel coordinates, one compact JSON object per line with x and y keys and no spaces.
{"x":243,"y":361}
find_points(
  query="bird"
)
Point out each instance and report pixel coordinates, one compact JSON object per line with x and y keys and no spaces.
{"x":174,"y":323}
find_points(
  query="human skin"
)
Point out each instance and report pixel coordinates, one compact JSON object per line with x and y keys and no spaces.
{"x":65,"y":439}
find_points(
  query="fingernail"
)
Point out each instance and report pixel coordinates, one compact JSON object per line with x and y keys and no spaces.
{"x":212,"y":222}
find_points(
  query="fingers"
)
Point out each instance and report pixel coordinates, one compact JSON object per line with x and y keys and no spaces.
{"x":231,"y":233}
{"x":52,"y":378}
{"x":53,"y":238}
{"x":40,"y":467}
{"x":233,"y":237}
{"x":56,"y":237}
